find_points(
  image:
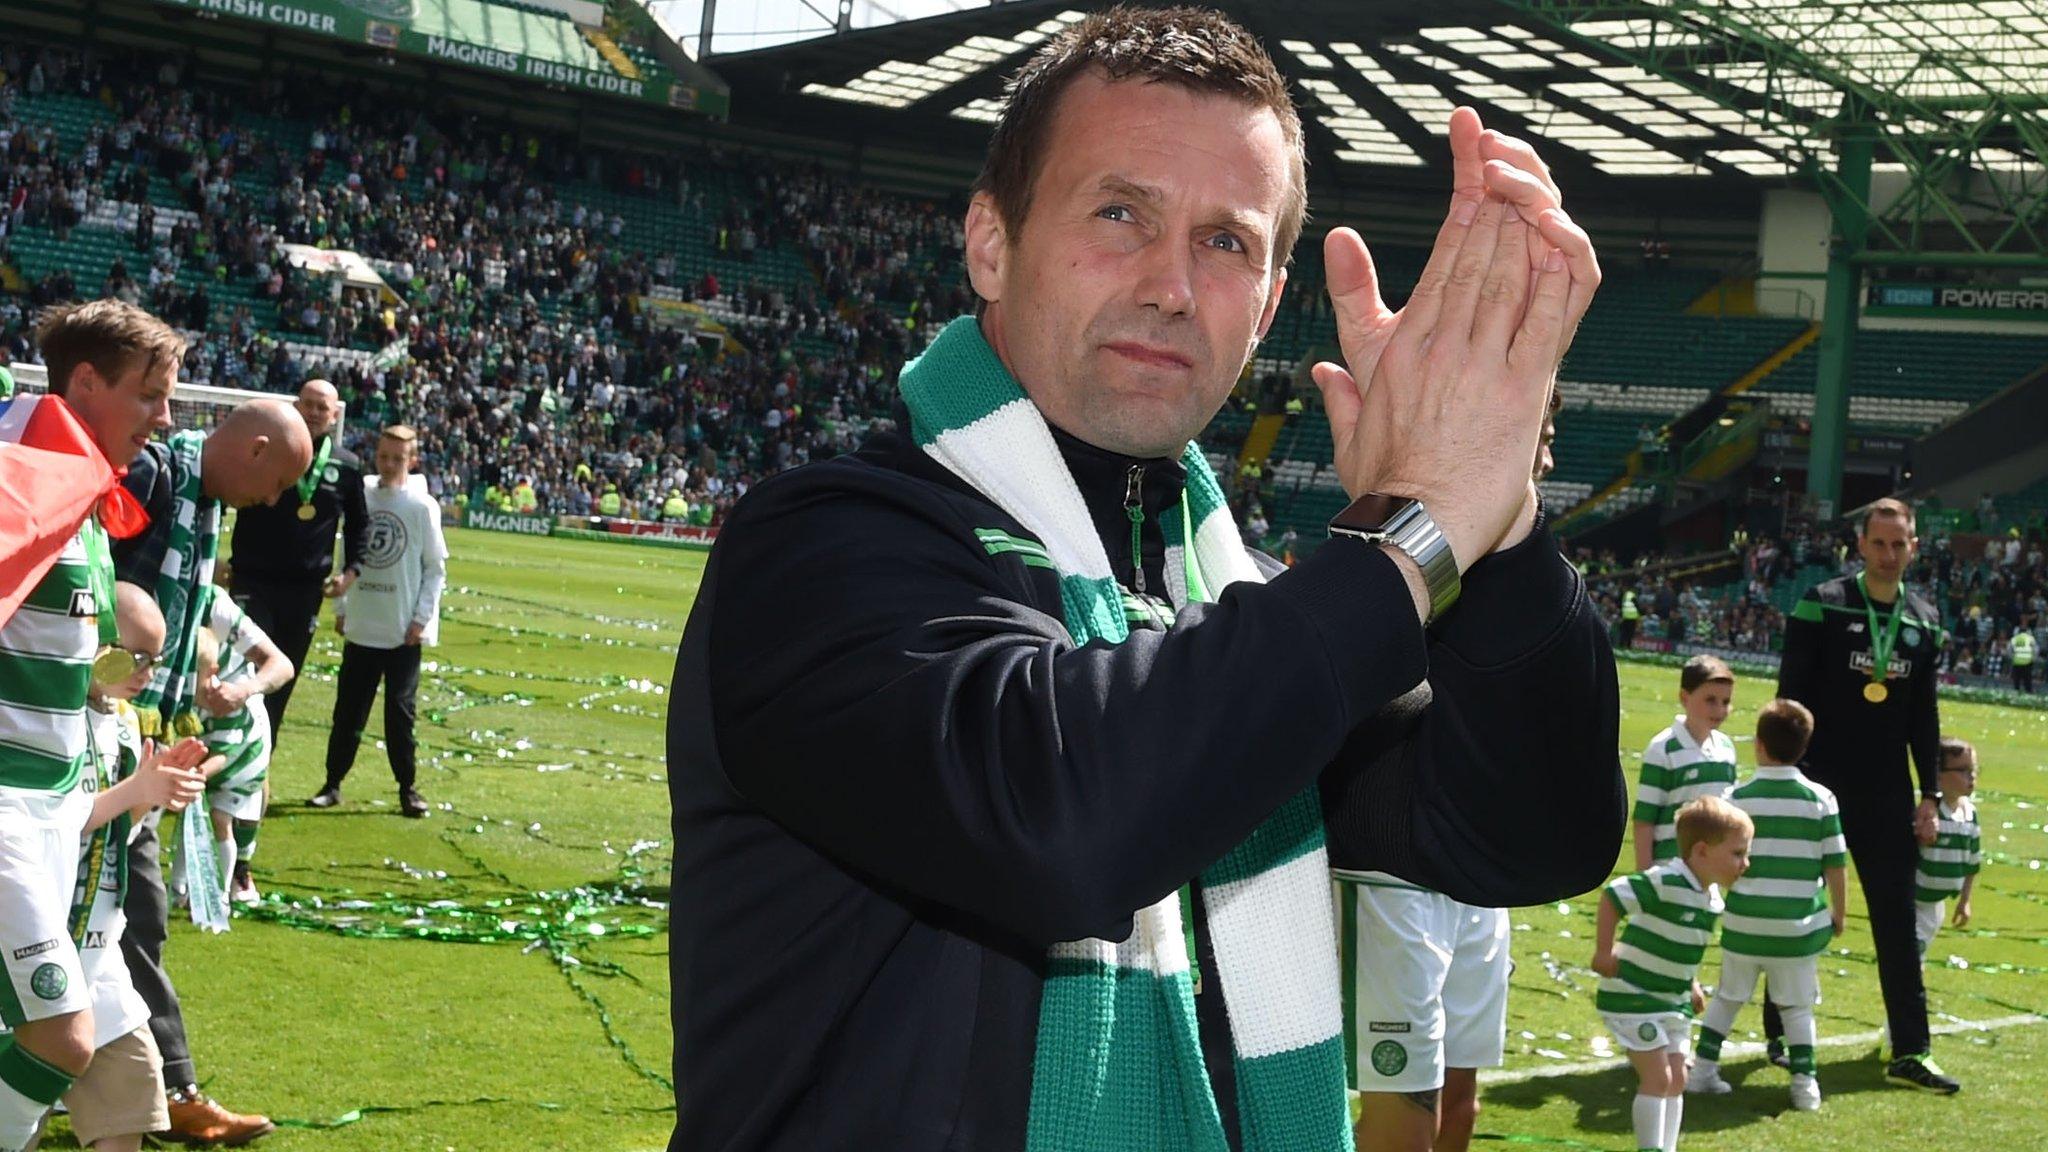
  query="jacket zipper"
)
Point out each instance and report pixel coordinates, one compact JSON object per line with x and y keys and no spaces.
{"x":1134,"y":508}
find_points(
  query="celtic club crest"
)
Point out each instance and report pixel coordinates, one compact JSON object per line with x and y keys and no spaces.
{"x":1389,"y":1058}
{"x":49,"y":981}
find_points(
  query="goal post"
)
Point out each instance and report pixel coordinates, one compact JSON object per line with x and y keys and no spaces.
{"x":199,"y":406}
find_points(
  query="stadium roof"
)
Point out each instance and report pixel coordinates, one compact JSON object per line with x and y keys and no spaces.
{"x":1682,"y":90}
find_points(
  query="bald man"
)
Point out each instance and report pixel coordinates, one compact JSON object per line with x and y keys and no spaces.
{"x":255,"y":455}
{"x":284,"y":552}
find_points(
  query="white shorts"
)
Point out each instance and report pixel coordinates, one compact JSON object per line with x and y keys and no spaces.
{"x":1927,"y":919}
{"x":1666,"y":1031}
{"x":1790,"y":981}
{"x":1425,"y":983}
{"x":40,"y":835}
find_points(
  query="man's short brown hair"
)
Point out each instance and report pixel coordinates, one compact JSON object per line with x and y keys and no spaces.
{"x":1709,"y":820}
{"x":114,"y":337}
{"x":1704,"y":669}
{"x":1196,"y":48}
{"x":1783,"y":729}
{"x":1890,"y":509}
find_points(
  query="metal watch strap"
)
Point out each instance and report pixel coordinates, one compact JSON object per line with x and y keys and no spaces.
{"x":1412,"y":530}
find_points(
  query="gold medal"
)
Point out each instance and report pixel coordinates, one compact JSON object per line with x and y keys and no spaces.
{"x":113,"y":666}
{"x":1876,"y":692}
{"x":305,"y":511}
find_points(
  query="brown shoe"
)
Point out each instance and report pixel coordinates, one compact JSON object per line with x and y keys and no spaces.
{"x":198,"y":1119}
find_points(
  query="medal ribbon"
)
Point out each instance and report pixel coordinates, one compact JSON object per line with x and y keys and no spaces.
{"x":99,"y":562}
{"x":1882,"y":641}
{"x":310,"y":482}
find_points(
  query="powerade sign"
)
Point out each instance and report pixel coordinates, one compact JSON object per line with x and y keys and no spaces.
{"x":509,"y":522}
{"x":1959,"y":297}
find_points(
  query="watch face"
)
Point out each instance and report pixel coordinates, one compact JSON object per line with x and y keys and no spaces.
{"x":1369,"y":512}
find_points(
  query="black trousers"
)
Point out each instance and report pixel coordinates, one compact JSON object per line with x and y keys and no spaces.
{"x":1877,"y":823}
{"x":288,"y":611}
{"x":142,"y":946}
{"x":356,"y":690}
{"x":2023,"y":678}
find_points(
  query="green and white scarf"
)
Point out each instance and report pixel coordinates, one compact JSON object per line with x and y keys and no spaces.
{"x":1119,"y":1061}
{"x":168,"y":705}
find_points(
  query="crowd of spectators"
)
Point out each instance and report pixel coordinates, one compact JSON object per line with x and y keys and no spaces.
{"x":513,"y":333}
{"x":1987,"y":585}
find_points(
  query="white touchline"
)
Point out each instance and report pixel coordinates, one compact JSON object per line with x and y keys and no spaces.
{"x":1736,"y":1049}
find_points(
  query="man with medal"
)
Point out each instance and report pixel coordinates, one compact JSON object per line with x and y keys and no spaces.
{"x":284,"y":553}
{"x":1860,"y":653}
{"x":112,"y":368}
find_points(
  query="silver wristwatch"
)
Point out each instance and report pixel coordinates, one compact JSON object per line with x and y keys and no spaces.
{"x":1404,"y":523}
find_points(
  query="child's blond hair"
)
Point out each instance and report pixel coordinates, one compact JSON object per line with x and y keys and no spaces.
{"x":1709,"y":820}
{"x":208,"y":661}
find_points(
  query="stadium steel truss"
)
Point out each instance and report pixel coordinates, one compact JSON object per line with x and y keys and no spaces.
{"x":1947,"y":103}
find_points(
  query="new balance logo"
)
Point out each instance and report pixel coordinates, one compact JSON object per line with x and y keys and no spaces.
{"x":83,"y":604}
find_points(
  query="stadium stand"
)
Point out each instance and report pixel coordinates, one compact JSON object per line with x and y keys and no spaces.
{"x":517,"y":265}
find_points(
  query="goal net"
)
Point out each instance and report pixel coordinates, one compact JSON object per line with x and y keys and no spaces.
{"x":199,"y":406}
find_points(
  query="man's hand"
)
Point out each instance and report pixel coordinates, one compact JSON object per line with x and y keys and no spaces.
{"x":220,"y":699}
{"x":1962,"y":914}
{"x":1699,"y":998}
{"x":340,"y":626}
{"x":1606,"y":965}
{"x":413,"y":632}
{"x":338,"y":583}
{"x":1456,"y":382}
{"x":1926,"y":823}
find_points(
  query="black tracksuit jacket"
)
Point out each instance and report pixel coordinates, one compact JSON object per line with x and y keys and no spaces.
{"x":896,"y":781}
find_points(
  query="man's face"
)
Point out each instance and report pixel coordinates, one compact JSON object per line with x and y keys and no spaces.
{"x":1887,"y":546}
{"x":261,"y":476}
{"x":394,"y":460}
{"x":124,"y":412}
{"x":1131,"y":297}
{"x":320,"y":406}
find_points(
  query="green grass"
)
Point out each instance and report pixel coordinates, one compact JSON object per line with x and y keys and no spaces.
{"x":541,"y":729}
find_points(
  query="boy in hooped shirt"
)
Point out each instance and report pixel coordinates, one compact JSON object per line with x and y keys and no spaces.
{"x":1648,"y":993}
{"x":1785,"y":909}
{"x":238,"y":666}
{"x":120,"y":1096}
{"x":1690,"y":759}
{"x":1948,"y":867}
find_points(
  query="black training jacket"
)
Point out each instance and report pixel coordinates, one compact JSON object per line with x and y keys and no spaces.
{"x":896,"y":781}
{"x":1859,"y":748}
{"x":272,"y":543}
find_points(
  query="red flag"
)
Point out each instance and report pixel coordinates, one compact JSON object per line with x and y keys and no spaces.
{"x":51,"y":477}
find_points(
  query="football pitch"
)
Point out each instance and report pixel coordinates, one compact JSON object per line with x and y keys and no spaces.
{"x":495,"y":976}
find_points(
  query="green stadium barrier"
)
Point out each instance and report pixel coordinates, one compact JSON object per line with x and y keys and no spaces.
{"x":622,"y":538}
